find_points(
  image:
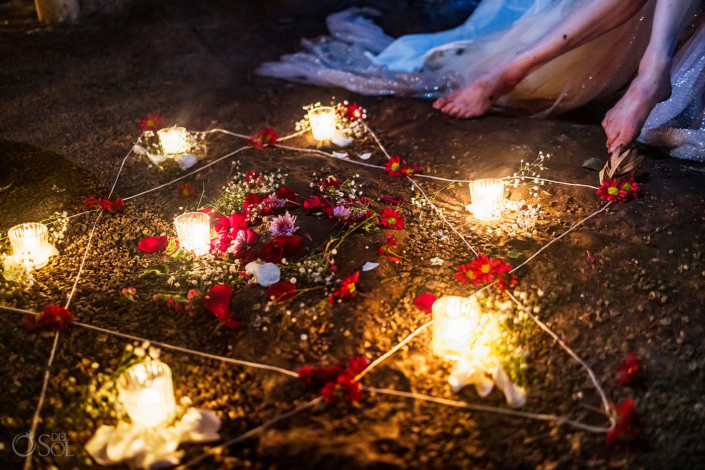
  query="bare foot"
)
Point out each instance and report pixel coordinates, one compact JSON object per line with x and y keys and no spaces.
{"x":475,"y":98}
{"x":624,"y":121}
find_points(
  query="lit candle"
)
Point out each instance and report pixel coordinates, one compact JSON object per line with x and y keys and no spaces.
{"x":322,"y":122}
{"x":454,"y":322}
{"x":174,"y":140}
{"x":30,"y":244}
{"x":194,"y":230}
{"x":147,"y":393}
{"x":487,"y":196}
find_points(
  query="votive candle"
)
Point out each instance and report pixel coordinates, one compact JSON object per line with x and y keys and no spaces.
{"x":174,"y":140}
{"x":322,"y":122}
{"x":146,"y":391}
{"x":487,"y":196}
{"x":194,"y":231}
{"x":454,"y":321}
{"x":30,"y":244}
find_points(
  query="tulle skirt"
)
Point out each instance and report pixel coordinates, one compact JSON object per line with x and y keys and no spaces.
{"x":358,"y":56}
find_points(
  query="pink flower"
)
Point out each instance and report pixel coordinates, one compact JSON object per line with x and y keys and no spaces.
{"x":275,"y":203}
{"x":283,"y":225}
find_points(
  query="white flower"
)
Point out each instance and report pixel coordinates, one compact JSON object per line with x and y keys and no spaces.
{"x":283,"y":225}
{"x":265,"y":274}
{"x":436,"y":262}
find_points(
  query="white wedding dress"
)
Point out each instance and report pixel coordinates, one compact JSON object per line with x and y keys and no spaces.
{"x":360,"y":57}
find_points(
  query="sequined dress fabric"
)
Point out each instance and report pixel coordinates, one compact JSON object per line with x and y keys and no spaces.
{"x":358,"y":56}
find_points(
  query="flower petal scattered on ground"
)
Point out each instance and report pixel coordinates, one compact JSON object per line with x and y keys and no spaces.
{"x":154,"y":244}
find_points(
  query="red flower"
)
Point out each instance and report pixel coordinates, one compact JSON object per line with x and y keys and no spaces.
{"x":392,"y":218}
{"x":107,"y":205}
{"x":185,"y":190}
{"x":357,"y":365}
{"x":393,"y":201}
{"x":611,"y":190}
{"x":153,"y":244}
{"x":256,"y":202}
{"x":386,"y":247}
{"x":151,"y":122}
{"x":483,"y":268}
{"x":342,"y":390}
{"x":315,"y":204}
{"x":281,"y":292}
{"x":393,"y":167}
{"x":217,"y":301}
{"x":630,"y":186}
{"x":266,"y":138}
{"x":466,"y":275}
{"x":311,"y":375}
{"x":252,"y":179}
{"x":629,"y":428}
{"x":291,"y":244}
{"x":53,"y":316}
{"x":410,"y":170}
{"x":329,"y":185}
{"x":272,"y":252}
{"x":292,"y":199}
{"x":425,"y":302}
{"x":351,"y":112}
{"x":628,"y":370}
{"x":348,"y":288}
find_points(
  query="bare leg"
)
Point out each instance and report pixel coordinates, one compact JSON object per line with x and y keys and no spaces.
{"x":588,"y":21}
{"x":652,"y":85}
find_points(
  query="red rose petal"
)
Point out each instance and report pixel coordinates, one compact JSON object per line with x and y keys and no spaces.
{"x":281,"y":292}
{"x":424,"y":302}
{"x":154,"y":244}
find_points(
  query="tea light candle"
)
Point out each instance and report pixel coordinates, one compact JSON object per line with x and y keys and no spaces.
{"x":487,"y":196}
{"x":174,"y":140}
{"x":322,"y":122}
{"x":30,"y":244}
{"x":146,"y":391}
{"x":194,"y":230}
{"x":454,"y":322}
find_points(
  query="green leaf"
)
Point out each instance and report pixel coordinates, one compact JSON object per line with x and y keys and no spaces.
{"x":515,"y":254}
{"x":593,"y":164}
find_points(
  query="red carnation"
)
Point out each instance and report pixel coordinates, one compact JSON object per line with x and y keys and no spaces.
{"x":393,"y":167}
{"x":185,"y":190}
{"x":483,"y":269}
{"x":153,"y":244}
{"x":611,"y":190}
{"x":629,"y":186}
{"x":392,"y":218}
{"x":466,"y":275}
{"x":53,"y":316}
{"x":281,"y":292}
{"x":311,"y":375}
{"x":386,"y":246}
{"x":151,"y":122}
{"x":348,"y":288}
{"x":342,"y":390}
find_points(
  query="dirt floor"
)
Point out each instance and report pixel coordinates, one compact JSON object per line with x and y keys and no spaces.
{"x":69,"y":103}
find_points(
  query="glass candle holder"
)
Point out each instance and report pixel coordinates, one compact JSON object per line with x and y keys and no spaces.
{"x":487,"y":196}
{"x":146,"y":391}
{"x":194,"y":230}
{"x":30,"y":244}
{"x":322,"y":122}
{"x":174,"y":140}
{"x":454,"y":322}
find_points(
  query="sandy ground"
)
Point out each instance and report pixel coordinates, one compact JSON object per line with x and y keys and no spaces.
{"x":69,"y":103}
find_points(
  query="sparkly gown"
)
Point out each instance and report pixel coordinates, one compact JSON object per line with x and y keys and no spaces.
{"x":360,"y":57}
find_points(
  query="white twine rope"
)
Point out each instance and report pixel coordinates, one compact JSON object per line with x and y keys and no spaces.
{"x":376,"y":362}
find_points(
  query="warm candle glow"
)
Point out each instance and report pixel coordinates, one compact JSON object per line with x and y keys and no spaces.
{"x":194,"y":230}
{"x":322,"y":122}
{"x":487,"y":196}
{"x":147,"y":393}
{"x":454,"y":322}
{"x":30,"y":244}
{"x":174,"y":140}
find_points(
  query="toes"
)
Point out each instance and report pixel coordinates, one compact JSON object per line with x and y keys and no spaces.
{"x":448,"y":107}
{"x":440,"y":102}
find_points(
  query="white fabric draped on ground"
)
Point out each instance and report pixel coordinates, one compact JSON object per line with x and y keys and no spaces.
{"x":358,"y":56}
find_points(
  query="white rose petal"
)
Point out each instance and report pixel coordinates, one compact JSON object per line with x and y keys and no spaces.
{"x":266,"y":274}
